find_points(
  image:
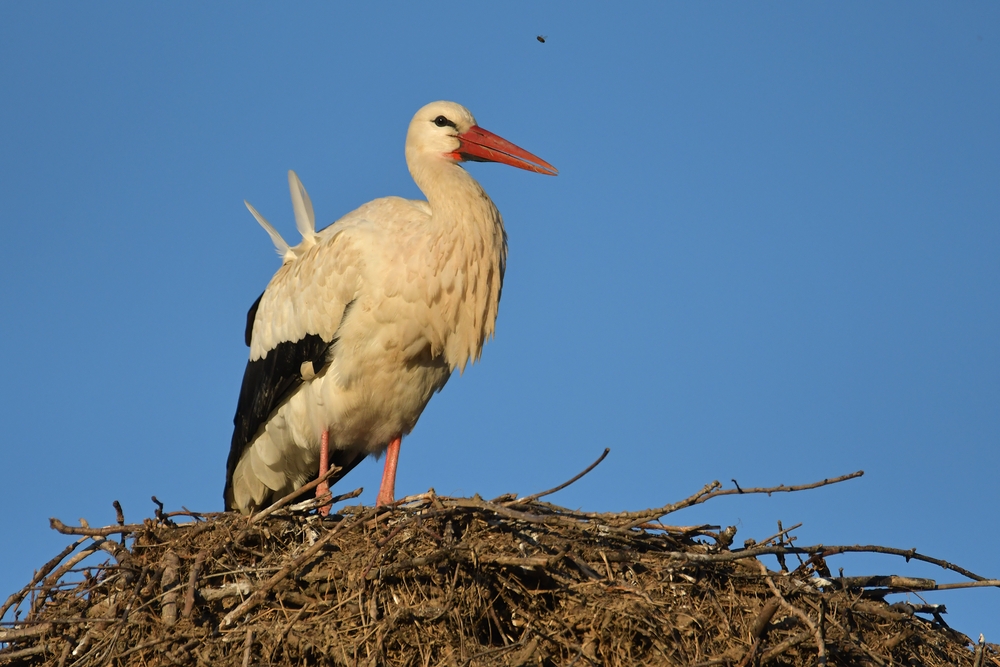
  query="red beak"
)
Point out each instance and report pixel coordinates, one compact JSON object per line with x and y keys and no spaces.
{"x":479,"y":145}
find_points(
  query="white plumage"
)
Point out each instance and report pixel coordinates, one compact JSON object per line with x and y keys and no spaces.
{"x":367,"y":319}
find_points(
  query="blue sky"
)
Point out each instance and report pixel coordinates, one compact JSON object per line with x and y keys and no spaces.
{"x":772,"y":254}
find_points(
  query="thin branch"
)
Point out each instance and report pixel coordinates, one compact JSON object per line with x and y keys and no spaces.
{"x":694,"y":499}
{"x":797,"y":487}
{"x":781,"y":533}
{"x":325,"y":499}
{"x":968,"y":584}
{"x":478,"y":503}
{"x":536,"y":496}
{"x":825,"y":550}
{"x":58,"y":525}
{"x":199,"y":561}
{"x":417,"y":499}
{"x":119,"y":517}
{"x":908,"y":554}
{"x":548,"y":519}
{"x":54,"y":578}
{"x":143,"y":646}
{"x":295,"y":494}
{"x":197,"y":516}
{"x":714,"y":490}
{"x":247,"y":646}
{"x":18,"y":597}
{"x":680,"y":531}
{"x":877,"y":581}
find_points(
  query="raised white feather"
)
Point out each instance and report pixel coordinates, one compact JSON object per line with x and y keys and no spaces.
{"x":305,"y":221}
{"x":305,"y":218}
{"x":280,"y":245}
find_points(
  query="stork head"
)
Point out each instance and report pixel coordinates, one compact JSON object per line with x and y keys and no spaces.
{"x":449,"y":131}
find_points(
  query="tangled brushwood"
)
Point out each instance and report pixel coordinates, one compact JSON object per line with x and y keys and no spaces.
{"x":466,"y":582}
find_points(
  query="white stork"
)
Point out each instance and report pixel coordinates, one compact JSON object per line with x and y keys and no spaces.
{"x":368,"y":318}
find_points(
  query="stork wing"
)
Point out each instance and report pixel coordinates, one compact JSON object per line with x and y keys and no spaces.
{"x":291,"y":331}
{"x":266,"y":383}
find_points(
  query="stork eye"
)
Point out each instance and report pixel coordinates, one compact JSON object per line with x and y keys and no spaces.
{"x":441,"y":121}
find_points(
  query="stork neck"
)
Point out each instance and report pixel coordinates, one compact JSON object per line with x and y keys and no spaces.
{"x":454,"y":195}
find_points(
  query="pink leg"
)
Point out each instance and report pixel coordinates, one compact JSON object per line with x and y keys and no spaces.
{"x":324,"y":466}
{"x":387,"y":492}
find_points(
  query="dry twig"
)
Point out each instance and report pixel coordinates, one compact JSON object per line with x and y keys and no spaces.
{"x":541,"y":494}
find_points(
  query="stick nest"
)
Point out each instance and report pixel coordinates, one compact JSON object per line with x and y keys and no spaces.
{"x":461,"y":582}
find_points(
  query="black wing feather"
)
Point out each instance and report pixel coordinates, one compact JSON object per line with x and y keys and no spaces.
{"x":267,"y":382}
{"x":251,"y":316}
